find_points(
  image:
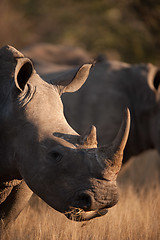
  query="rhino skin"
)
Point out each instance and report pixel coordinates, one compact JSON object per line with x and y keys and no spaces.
{"x":111,"y":87}
{"x":41,"y":153}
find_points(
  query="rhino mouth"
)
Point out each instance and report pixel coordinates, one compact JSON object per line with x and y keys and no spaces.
{"x":80,"y":215}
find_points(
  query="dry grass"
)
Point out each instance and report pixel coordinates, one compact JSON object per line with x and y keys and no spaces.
{"x":135,"y":217}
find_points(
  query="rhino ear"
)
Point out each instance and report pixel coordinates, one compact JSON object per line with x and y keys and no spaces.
{"x":72,"y":80}
{"x":156,"y":80}
{"x":24,"y":70}
{"x":153,"y":77}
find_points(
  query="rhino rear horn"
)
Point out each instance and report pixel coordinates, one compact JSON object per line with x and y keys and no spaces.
{"x":89,"y":138}
{"x":72,"y":80}
{"x":111,"y":157}
{"x":24,"y":70}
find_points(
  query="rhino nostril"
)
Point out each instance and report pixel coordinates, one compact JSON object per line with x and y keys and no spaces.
{"x":83,"y":201}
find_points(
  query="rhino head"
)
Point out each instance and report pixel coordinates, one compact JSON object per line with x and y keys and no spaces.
{"x":68,"y":171}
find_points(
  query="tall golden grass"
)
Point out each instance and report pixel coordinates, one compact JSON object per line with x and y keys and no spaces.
{"x":135,"y":217}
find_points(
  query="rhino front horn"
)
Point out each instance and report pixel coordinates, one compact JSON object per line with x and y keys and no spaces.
{"x":112,"y":157}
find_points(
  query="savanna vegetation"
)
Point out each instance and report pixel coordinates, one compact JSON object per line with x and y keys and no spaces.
{"x":135,"y":217}
{"x":125,"y":30}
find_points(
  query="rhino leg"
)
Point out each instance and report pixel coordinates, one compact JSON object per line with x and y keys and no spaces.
{"x":14,"y":203}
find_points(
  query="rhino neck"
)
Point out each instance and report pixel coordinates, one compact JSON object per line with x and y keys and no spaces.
{"x":8,"y":169}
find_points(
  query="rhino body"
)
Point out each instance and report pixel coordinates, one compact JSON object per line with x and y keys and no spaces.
{"x":111,"y":87}
{"x":41,"y":153}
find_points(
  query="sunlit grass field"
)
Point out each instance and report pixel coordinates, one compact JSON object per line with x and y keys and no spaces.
{"x":135,"y":217}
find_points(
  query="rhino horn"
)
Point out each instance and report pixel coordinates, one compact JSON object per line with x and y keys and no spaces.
{"x":111,"y":157}
{"x":89,"y":138}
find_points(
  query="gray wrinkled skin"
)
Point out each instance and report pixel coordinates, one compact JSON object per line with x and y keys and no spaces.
{"x":111,"y":87}
{"x":39,"y":148}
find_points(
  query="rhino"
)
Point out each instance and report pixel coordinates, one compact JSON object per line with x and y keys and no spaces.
{"x":111,"y":87}
{"x":41,"y":153}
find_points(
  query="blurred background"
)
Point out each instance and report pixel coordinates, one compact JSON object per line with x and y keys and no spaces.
{"x":126,"y":30}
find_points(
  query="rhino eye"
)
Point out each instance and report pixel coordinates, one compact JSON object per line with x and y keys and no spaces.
{"x":54,"y":155}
